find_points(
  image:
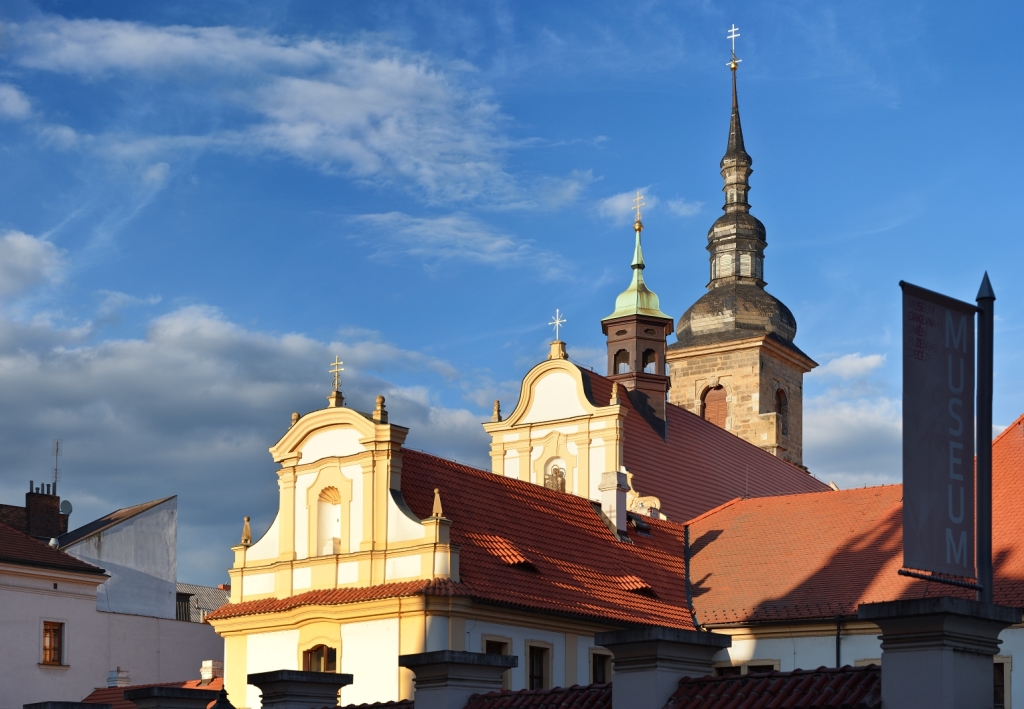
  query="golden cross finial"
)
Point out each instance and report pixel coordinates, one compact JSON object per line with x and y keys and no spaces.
{"x":336,"y":370}
{"x":638,"y":202}
{"x":734,"y":32}
{"x":557,"y":322}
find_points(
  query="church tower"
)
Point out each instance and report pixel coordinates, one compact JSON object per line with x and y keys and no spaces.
{"x":734,"y":362}
{"x":637,"y":332}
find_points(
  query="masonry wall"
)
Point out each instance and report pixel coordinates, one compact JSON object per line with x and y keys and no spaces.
{"x":750,"y":376}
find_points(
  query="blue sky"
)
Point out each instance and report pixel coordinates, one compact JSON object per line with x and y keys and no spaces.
{"x":202,"y":203}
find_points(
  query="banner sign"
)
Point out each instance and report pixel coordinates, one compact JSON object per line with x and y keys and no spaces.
{"x":938,"y":432}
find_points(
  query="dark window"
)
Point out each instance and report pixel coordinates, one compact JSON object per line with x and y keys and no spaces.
{"x":537,"y":676}
{"x":1000,"y":685}
{"x":650,"y":362}
{"x":320,"y":659}
{"x":760,"y":668}
{"x":601,"y":668}
{"x":782,"y":409}
{"x":723,"y":671}
{"x":496,"y":647}
{"x":714,"y":407}
{"x":183,"y":607}
{"x":621,"y":364}
{"x":554,"y":479}
{"x":53,"y":643}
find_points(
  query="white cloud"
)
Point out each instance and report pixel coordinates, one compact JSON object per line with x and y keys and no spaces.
{"x":26,"y":261}
{"x":59,"y":137}
{"x":114,"y":301}
{"x":156,"y":174}
{"x":13,"y":103}
{"x":850,"y":366}
{"x":454,"y":237}
{"x":190,"y":409}
{"x":684,"y":208}
{"x":367,"y":110}
{"x":619,"y":207}
{"x":854,"y":442}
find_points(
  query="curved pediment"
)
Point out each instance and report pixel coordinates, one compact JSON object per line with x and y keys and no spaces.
{"x":554,"y":390}
{"x":332,"y":432}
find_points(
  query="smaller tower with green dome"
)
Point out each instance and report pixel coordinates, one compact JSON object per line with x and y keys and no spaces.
{"x":637,"y":331}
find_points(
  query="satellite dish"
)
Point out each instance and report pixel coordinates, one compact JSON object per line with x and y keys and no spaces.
{"x":65,"y":507}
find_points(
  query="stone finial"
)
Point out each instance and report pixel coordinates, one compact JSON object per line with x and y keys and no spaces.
{"x":437,"y":504}
{"x":295,"y":417}
{"x":380,"y":413}
{"x":615,"y":394}
{"x":246,"y":533}
{"x":335,"y":400}
{"x":496,"y":416}
{"x":557,"y":350}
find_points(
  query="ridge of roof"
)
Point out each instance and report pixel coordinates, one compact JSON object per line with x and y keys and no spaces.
{"x":19,"y":548}
{"x":107,"y":521}
{"x":713,"y":510}
{"x":1006,"y":430}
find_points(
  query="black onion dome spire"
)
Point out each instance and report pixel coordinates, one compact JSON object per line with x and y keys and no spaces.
{"x":736,"y":305}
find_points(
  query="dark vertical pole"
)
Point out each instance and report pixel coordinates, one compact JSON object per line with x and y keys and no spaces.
{"x":839,"y":639}
{"x":986,"y":306}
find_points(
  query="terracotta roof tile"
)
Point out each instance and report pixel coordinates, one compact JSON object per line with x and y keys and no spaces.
{"x":698,"y":466}
{"x":19,"y":548}
{"x":594,"y":696}
{"x":399,"y":704}
{"x":115,"y":695}
{"x":843,"y":688}
{"x":816,"y":555}
{"x":575,"y":564}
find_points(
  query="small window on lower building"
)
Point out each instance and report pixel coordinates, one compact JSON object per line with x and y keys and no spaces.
{"x":538,"y":674}
{"x":500,"y":646}
{"x":320,"y":659}
{"x":53,"y":643}
{"x":1001,"y":684}
{"x":600,"y":668}
{"x":731,"y":670}
{"x":760,"y":668}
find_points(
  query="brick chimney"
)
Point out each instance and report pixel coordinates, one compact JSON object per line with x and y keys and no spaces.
{"x":42,"y":512}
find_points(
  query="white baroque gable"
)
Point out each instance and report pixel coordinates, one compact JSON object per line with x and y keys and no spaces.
{"x":556,"y":396}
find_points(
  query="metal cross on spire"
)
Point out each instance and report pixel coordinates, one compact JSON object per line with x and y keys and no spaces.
{"x":336,"y":370}
{"x":638,"y":202}
{"x":557,"y":322}
{"x":734,"y":32}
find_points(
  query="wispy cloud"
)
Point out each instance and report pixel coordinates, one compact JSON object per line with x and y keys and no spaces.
{"x":26,"y":261}
{"x":13,"y":103}
{"x":619,"y":207}
{"x":114,"y":301}
{"x":684,"y":208}
{"x":850,"y":366}
{"x":454,"y":237}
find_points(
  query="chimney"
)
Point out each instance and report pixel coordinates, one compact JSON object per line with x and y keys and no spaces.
{"x":446,"y":679}
{"x":292,"y":689}
{"x":42,"y":513}
{"x":224,"y":587}
{"x":614,"y":487}
{"x":649,"y":661}
{"x":211,"y":670}
{"x":118,"y":678}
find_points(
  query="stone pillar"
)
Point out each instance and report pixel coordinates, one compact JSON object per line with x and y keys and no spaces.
{"x":937,"y":652}
{"x":170,"y":697}
{"x":292,"y":689}
{"x":649,"y":661}
{"x":446,"y":679}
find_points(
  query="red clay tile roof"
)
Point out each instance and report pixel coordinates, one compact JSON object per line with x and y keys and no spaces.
{"x":816,"y":555}
{"x":115,"y":517}
{"x":399,"y":704}
{"x":844,"y":688}
{"x":19,"y":548}
{"x":115,"y":695}
{"x":594,"y":696}
{"x":575,"y":564}
{"x":698,"y":465}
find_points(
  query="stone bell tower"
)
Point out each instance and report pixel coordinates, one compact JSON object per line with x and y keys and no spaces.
{"x":734,"y":362}
{"x":637,"y":332}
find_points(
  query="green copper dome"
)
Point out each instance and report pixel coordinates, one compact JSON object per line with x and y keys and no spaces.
{"x":637,"y":299}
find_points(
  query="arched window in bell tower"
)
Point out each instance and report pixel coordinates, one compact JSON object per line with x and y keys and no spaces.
{"x":782,"y":411}
{"x":650,"y":362}
{"x":622,"y":362}
{"x":714,"y":407}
